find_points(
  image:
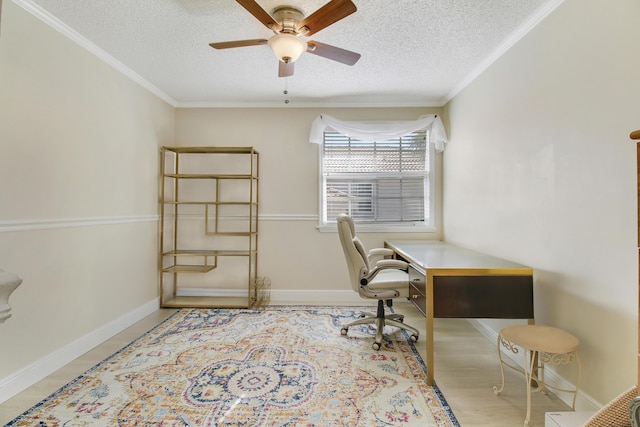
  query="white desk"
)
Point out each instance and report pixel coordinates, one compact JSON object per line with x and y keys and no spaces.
{"x":460,"y":283}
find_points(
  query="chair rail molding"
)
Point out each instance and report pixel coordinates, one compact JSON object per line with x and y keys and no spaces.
{"x":8,"y":283}
{"x":53,"y":223}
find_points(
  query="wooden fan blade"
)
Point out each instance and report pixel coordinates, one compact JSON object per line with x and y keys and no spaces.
{"x":260,"y":14}
{"x":334,"y":53}
{"x":238,"y":43}
{"x":285,"y":69}
{"x":328,"y":14}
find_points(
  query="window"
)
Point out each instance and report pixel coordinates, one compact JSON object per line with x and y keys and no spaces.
{"x":383,"y":185}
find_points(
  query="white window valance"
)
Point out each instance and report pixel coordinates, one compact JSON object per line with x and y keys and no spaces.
{"x":380,"y":130}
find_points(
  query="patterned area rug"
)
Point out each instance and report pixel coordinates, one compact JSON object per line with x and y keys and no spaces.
{"x":284,"y":366}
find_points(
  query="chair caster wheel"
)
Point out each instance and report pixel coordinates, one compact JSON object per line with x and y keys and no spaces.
{"x":362,"y":316}
{"x":344,"y":331}
{"x":376,"y":346}
{"x":414,"y":338}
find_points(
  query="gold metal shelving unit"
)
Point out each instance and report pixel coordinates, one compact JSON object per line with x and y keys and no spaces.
{"x":209,"y":212}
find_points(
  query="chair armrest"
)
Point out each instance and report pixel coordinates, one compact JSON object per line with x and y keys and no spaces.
{"x":385,"y":264}
{"x":392,"y":263}
{"x":380,"y":252}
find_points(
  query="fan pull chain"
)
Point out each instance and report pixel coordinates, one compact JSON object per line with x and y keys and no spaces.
{"x":286,"y":90}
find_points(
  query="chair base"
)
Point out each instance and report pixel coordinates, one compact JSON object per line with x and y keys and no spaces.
{"x":380,"y":320}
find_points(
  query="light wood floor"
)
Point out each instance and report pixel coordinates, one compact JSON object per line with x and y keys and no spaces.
{"x":465,"y":362}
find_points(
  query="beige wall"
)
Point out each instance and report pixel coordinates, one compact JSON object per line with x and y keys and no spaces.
{"x":78,"y":190}
{"x":540,"y":169}
{"x":292,"y":252}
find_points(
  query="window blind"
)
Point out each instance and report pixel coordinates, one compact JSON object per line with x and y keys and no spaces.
{"x":376,"y":181}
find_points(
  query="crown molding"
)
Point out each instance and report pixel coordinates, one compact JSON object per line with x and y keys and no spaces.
{"x":518,"y":34}
{"x":307,"y":104}
{"x":67,"y":31}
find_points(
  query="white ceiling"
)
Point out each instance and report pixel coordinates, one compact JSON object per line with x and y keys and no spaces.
{"x":414,"y":52}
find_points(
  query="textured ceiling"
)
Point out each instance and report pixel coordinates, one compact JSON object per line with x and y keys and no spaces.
{"x":414,"y":52}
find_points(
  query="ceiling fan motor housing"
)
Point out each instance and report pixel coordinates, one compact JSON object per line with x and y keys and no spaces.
{"x":288,"y":17}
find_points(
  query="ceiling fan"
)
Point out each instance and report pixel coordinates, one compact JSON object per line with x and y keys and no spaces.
{"x":288,"y":25}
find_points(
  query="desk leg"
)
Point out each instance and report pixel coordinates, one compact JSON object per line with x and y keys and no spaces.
{"x":429,"y":320}
{"x":534,"y":359}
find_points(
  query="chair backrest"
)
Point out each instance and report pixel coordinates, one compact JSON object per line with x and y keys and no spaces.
{"x":354,"y":251}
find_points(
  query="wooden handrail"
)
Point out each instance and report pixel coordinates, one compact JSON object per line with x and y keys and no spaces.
{"x":635,"y":135}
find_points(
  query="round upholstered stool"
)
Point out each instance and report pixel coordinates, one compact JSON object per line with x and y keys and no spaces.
{"x":545,"y":345}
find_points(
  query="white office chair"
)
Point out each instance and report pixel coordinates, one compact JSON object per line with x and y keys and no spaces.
{"x":385,"y":280}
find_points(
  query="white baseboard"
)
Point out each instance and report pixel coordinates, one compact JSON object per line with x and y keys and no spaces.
{"x":286,"y":296}
{"x":318,"y":297}
{"x":584,"y":402}
{"x":26,"y":377}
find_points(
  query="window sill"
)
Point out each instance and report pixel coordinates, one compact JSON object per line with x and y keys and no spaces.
{"x":378,"y":228}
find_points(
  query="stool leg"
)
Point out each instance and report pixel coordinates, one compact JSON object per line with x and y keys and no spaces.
{"x":534,"y":372}
{"x":541,"y":387}
{"x":575,"y":394}
{"x":497,"y":391}
{"x":529,"y":367}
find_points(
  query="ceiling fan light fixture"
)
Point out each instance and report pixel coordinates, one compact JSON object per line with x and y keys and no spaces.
{"x":287,"y":47}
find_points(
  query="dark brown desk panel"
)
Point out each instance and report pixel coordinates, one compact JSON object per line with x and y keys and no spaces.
{"x":475,"y":297}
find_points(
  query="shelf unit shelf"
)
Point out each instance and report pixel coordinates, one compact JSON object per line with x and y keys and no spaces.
{"x":206,"y":302}
{"x":209,"y":201}
{"x":207,"y":252}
